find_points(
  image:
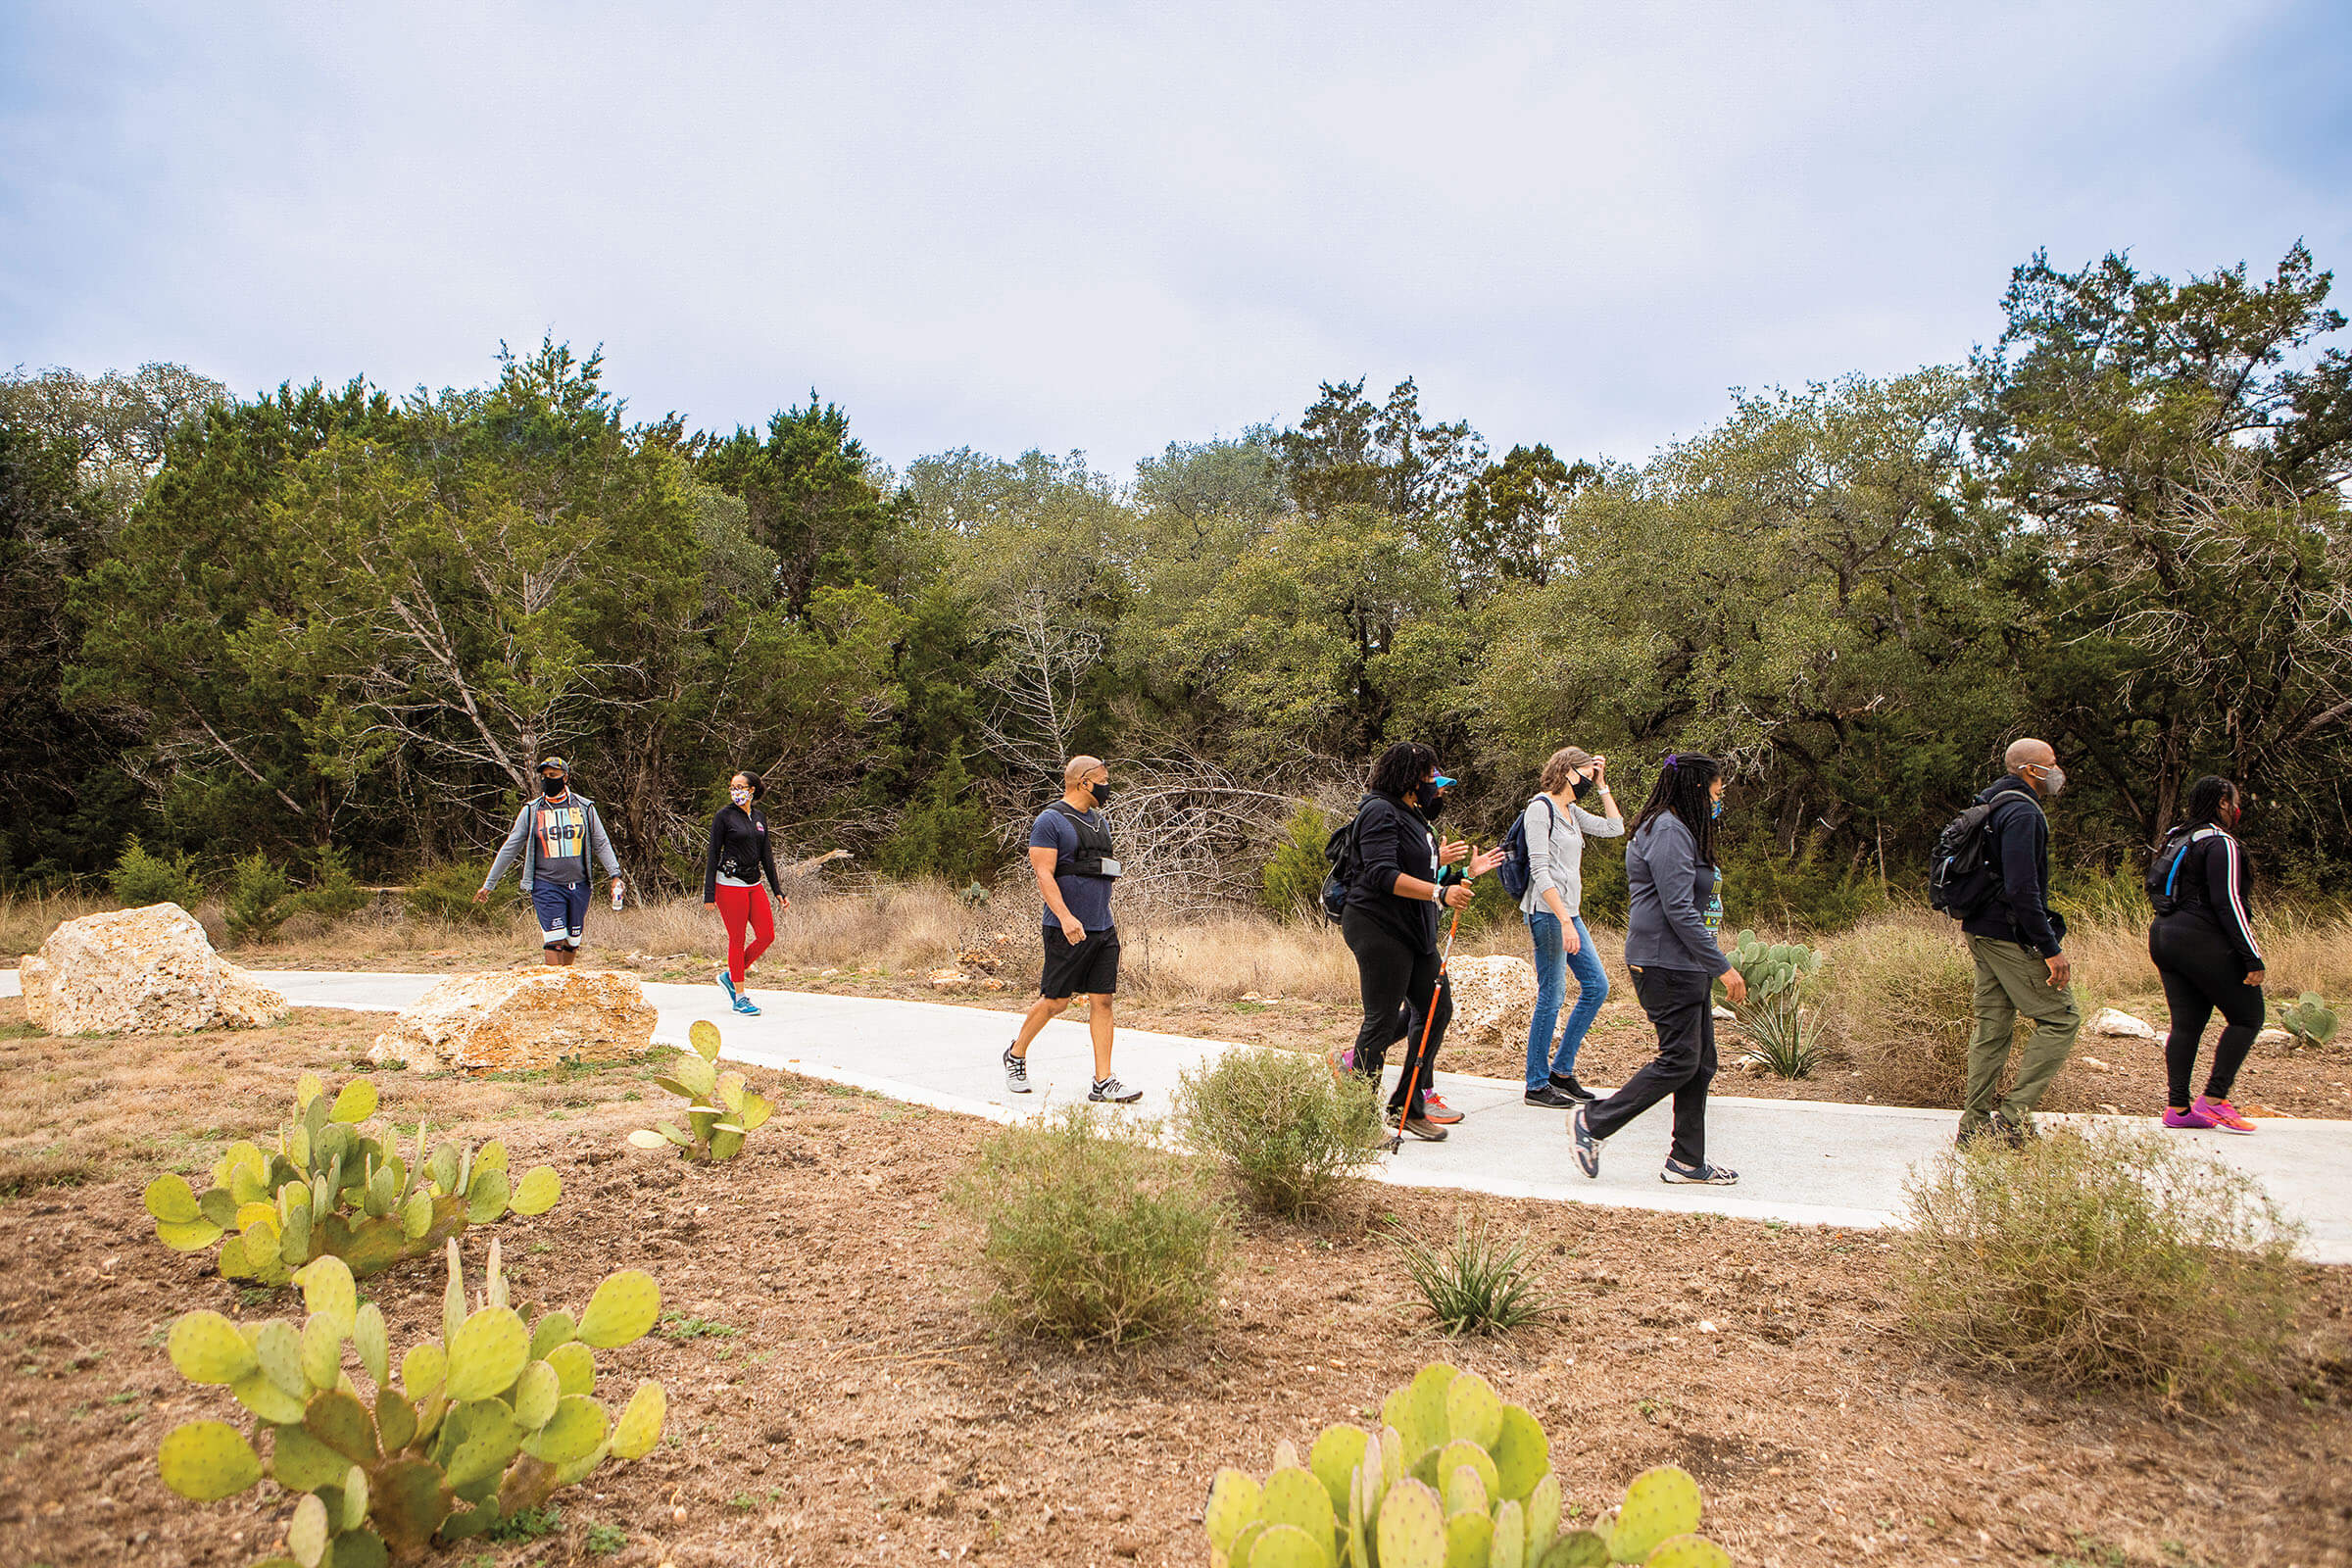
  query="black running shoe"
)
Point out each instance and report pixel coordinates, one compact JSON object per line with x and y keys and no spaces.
{"x":1550,"y":1098}
{"x":1698,"y":1175}
{"x":1566,"y":1084}
{"x":1587,"y":1147}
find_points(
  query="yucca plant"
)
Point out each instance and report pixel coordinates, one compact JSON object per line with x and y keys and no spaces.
{"x":482,"y":1424}
{"x":720,"y":1110}
{"x":1778,"y":1032}
{"x":329,"y":1190}
{"x":1473,"y":1284}
{"x":1454,"y":1478}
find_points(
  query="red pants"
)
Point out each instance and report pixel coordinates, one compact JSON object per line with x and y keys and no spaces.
{"x":740,"y":907}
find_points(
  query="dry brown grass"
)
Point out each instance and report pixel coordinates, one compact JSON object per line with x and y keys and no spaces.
{"x":1896,"y":996}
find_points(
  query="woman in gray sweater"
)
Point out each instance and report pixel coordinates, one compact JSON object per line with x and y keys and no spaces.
{"x":1556,"y":828}
{"x":1674,"y":909}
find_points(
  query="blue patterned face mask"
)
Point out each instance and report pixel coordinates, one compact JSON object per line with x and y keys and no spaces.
{"x":1715,"y":811}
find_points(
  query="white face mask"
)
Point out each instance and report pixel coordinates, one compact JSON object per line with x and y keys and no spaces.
{"x":2053,"y":780}
{"x":742,"y":797}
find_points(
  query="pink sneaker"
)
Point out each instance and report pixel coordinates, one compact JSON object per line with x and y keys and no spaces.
{"x":2223,"y":1113}
{"x":2193,"y":1117}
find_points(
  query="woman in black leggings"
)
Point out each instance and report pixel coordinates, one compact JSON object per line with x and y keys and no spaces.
{"x":2203,"y":945}
{"x":1395,"y":890}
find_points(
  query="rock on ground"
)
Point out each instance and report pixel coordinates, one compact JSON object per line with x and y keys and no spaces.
{"x":2121,"y":1026}
{"x":521,"y":1021}
{"x":1492,"y":998}
{"x":148,"y":972}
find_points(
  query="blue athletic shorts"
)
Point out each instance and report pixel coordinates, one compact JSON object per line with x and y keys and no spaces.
{"x":563,"y":910}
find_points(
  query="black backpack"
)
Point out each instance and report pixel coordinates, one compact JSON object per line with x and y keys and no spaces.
{"x":1515,"y":872}
{"x":1340,"y":866}
{"x":1962,"y":879}
{"x":2164,"y":871}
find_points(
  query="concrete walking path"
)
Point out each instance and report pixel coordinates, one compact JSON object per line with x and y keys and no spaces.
{"x":1802,"y":1162}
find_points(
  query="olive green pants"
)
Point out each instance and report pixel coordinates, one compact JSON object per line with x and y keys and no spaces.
{"x":2014,"y":979}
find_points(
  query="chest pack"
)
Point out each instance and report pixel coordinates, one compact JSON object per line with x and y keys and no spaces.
{"x":1516,"y":871}
{"x":1093,"y":857}
{"x":1962,"y":877}
{"x":2166,"y":894}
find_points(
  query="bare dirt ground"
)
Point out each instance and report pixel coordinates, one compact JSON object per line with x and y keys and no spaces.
{"x":836,"y":1397}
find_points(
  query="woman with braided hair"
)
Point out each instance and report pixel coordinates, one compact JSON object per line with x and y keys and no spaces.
{"x":1674,"y":906}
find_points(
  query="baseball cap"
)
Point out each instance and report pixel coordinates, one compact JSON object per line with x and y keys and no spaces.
{"x":547,"y":762}
{"x":1440,"y":782}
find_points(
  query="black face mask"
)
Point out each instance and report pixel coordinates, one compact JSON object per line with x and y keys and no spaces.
{"x":552,"y":786}
{"x":1102,"y":792}
{"x":1431,"y":805}
{"x":1583,"y":787}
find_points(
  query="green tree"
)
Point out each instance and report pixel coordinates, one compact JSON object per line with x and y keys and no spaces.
{"x":813,"y":501}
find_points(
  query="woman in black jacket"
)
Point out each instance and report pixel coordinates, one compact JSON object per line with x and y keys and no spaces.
{"x":2203,"y":945}
{"x":739,"y":859}
{"x":1395,"y":890}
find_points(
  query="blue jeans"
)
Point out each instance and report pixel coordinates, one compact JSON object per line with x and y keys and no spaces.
{"x":1552,"y":984}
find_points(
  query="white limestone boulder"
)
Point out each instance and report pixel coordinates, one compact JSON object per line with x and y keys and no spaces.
{"x":1494,"y":1000}
{"x":149,"y":971}
{"x":516,"y":1020}
{"x":2118,"y":1025}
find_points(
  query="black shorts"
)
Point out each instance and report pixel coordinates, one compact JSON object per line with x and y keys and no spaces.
{"x":1090,"y":968}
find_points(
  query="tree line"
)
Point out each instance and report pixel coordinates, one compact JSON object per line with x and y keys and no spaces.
{"x":330,"y":617}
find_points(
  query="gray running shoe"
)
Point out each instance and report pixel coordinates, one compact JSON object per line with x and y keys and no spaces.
{"x":1016,"y":1072}
{"x":1111,"y":1091}
{"x":1698,"y":1175}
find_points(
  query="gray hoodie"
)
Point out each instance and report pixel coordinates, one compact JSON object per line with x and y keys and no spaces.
{"x":1555,"y":852}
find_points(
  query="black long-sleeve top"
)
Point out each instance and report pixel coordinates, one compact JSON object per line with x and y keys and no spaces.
{"x":739,"y":849}
{"x":1392,"y":840}
{"x":2211,"y":882}
{"x":2020,"y":912}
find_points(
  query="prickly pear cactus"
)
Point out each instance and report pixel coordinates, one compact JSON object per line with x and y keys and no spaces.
{"x":1455,"y":1477}
{"x":720,"y":1110}
{"x":2308,"y":1018}
{"x":1772,"y":1015}
{"x":475,"y":1427}
{"x":330,"y":1190}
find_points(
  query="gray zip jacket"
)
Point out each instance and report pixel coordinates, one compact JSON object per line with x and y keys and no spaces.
{"x":1668,"y":895}
{"x":1555,"y":852}
{"x":525,"y":842}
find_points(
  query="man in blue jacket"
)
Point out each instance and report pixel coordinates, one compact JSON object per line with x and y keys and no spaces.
{"x":2018,"y":943}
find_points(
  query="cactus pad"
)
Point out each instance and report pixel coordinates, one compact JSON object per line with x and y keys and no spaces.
{"x":535,"y":1395}
{"x":647,"y":1138}
{"x":173,"y":1200}
{"x":1522,"y":1454}
{"x":538,"y":1191}
{"x":1661,"y":1503}
{"x":424,"y":1369}
{"x":575,"y":1429}
{"x":321,"y":1351}
{"x":1232,"y":1504}
{"x":265,"y":1399}
{"x":1458,"y":1453}
{"x":207,"y":1460}
{"x":640,"y":1425}
{"x":486,"y":1199}
{"x":301,"y":1463}
{"x":1473,"y":1413}
{"x":705,"y":1034}
{"x":1579,"y":1548}
{"x":1289,"y":1547}
{"x":307,"y":1532}
{"x":623,"y":1307}
{"x":395,"y":1421}
{"x":1293,"y":1496}
{"x":373,"y":1342}
{"x":409,"y":1504}
{"x":1469,"y":1539}
{"x":1413,"y":1527}
{"x":356,"y":1104}
{"x":1689,"y":1552}
{"x":207,"y":1348}
{"x":755,"y":1111}
{"x":1543,"y":1512}
{"x":1509,"y":1547}
{"x":1464,"y":1492}
{"x":576,"y":1368}
{"x":327,"y":1292}
{"x":341,"y":1422}
{"x":1337,"y":1452}
{"x":552,"y":1329}
{"x":487,"y":1355}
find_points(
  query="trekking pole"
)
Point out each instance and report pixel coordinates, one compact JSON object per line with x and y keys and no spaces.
{"x":1428,"y":1021}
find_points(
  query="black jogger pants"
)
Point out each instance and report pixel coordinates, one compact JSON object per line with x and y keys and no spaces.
{"x":1397,"y":981}
{"x":1681,"y":1005}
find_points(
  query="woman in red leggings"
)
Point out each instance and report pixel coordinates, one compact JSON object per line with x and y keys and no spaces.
{"x":739,"y":859}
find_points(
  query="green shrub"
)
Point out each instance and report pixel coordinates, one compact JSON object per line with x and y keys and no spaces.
{"x":1291,"y":884}
{"x":944,"y":832}
{"x":1091,"y":1230}
{"x":1281,"y":1126}
{"x":445,"y":893}
{"x":2109,"y":1256}
{"x":1473,"y":1284}
{"x":329,"y":1190}
{"x":1772,"y":1017}
{"x":476,"y":1432}
{"x":140,"y":878}
{"x":719,"y":1110}
{"x":333,"y":891}
{"x":1456,"y":1477}
{"x":259,"y":899}
{"x":1898,"y":996}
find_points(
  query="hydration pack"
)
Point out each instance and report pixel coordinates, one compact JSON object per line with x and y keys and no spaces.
{"x":1340,"y":866}
{"x":1962,"y":879}
{"x":1517,"y":874}
{"x":1093,"y":855}
{"x":2164,"y":871}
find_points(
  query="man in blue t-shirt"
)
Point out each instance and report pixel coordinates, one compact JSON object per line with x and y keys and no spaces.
{"x":1070,"y":852}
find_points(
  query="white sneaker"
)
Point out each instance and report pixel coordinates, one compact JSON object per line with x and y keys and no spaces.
{"x":1111,"y":1091}
{"x":1016,"y":1072}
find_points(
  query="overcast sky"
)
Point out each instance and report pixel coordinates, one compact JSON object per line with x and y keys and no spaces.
{"x":1109,"y":227}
